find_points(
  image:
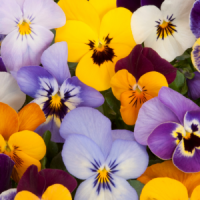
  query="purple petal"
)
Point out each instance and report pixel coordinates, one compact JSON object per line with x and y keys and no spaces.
{"x":91,"y":123}
{"x":152,"y":2}
{"x":164,"y":139}
{"x":32,"y":181}
{"x":187,"y":162}
{"x":54,"y":60}
{"x":6,"y":166}
{"x":132,"y":5}
{"x":8,"y":194}
{"x":176,"y":102}
{"x":2,"y":66}
{"x":151,"y":114}
{"x":195,"y":19}
{"x":193,"y":86}
{"x":36,"y":82}
{"x":192,"y":121}
{"x":123,"y":135}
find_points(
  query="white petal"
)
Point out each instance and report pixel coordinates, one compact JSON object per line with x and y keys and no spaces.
{"x":21,"y":3}
{"x":10,"y":92}
{"x":144,"y":21}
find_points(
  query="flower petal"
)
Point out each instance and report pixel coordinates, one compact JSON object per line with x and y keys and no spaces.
{"x":120,"y":190}
{"x":132,"y":5}
{"x":18,"y":50}
{"x":26,"y":195}
{"x":8,"y":116}
{"x":91,"y":123}
{"x":156,"y":3}
{"x":54,"y":60}
{"x":127,"y":159}
{"x":195,"y":55}
{"x":81,"y":11}
{"x":164,"y":139}
{"x":2,"y":66}
{"x":21,"y":3}
{"x":36,"y":82}
{"x":40,"y":12}
{"x":10,"y":92}
{"x":78,"y":36}
{"x":195,"y":193}
{"x":30,"y":117}
{"x":152,"y":114}
{"x":84,"y":161}
{"x":6,"y":166}
{"x":8,"y":194}
{"x":123,"y":135}
{"x":176,"y":102}
{"x":9,"y":13}
{"x":192,"y":122}
{"x":164,"y":188}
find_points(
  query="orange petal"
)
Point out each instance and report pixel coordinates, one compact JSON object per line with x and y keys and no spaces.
{"x":25,"y":195}
{"x":167,"y":169}
{"x":2,"y":144}
{"x":57,"y":192}
{"x":30,"y":117}
{"x":9,"y":121}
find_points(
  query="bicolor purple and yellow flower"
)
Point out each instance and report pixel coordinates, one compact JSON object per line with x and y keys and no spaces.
{"x":48,"y":184}
{"x":172,"y":127}
{"x":166,"y":30}
{"x":27,"y":24}
{"x":98,"y":35}
{"x":165,"y":181}
{"x":104,"y":162}
{"x":139,"y":78}
{"x":17,"y":139}
{"x":54,"y":90}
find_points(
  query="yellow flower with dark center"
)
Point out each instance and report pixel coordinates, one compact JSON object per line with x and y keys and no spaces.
{"x":17,"y":139}
{"x":97,"y":36}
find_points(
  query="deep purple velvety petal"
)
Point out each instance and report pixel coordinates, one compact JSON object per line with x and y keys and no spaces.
{"x":6,"y":166}
{"x":152,"y":2}
{"x":32,"y":181}
{"x":55,"y":176}
{"x":2,"y":66}
{"x":176,"y":102}
{"x":195,"y":19}
{"x":164,"y":139}
{"x":132,"y":5}
{"x":8,"y":194}
{"x":193,"y":86}
{"x":187,"y":162}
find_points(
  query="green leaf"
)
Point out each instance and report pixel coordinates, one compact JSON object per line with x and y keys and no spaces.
{"x":43,"y":162}
{"x":52,"y":149}
{"x":137,"y":185}
{"x":72,"y":68}
{"x":47,"y":137}
{"x":57,"y":163}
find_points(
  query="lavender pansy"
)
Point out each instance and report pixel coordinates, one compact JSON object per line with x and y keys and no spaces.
{"x":54,"y":90}
{"x":27,"y":24}
{"x":8,"y":194}
{"x":105,"y":164}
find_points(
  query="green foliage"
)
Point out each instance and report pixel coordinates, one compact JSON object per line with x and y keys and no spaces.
{"x":57,"y":163}
{"x":137,"y":185}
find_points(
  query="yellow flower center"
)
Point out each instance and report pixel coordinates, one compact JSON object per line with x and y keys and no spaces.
{"x":56,"y":101}
{"x":24,"y":28}
{"x":103,"y":176}
{"x":164,"y":24}
{"x":7,"y":148}
{"x":187,"y":135}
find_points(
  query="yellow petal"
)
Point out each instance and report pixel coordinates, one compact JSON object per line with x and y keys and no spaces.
{"x":96,"y":76}
{"x":29,"y":143}
{"x":167,"y":169}
{"x":152,"y":81}
{"x":122,"y":81}
{"x":196,"y":193}
{"x":30,"y":117}
{"x":78,"y":36}
{"x":9,"y":122}
{"x":2,"y":144}
{"x":25,"y":195}
{"x":117,"y":24}
{"x":81,"y":10}
{"x":164,"y":189}
{"x":103,"y":6}
{"x":57,"y":192}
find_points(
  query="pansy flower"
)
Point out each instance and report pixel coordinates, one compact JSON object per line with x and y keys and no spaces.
{"x":172,"y":126}
{"x":27,"y":25}
{"x":105,"y":164}
{"x":95,"y":43}
{"x":48,"y":184}
{"x":54,"y":90}
{"x":167,"y":31}
{"x":139,"y":78}
{"x":17,"y":139}
{"x":10,"y":93}
{"x":133,"y":5}
{"x":1,"y":39}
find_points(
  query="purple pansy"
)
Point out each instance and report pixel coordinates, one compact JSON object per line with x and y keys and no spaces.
{"x":133,"y":5}
{"x":142,"y":60}
{"x":106,"y":162}
{"x":2,"y":66}
{"x":38,"y":182}
{"x":54,"y":90}
{"x":172,"y":129}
